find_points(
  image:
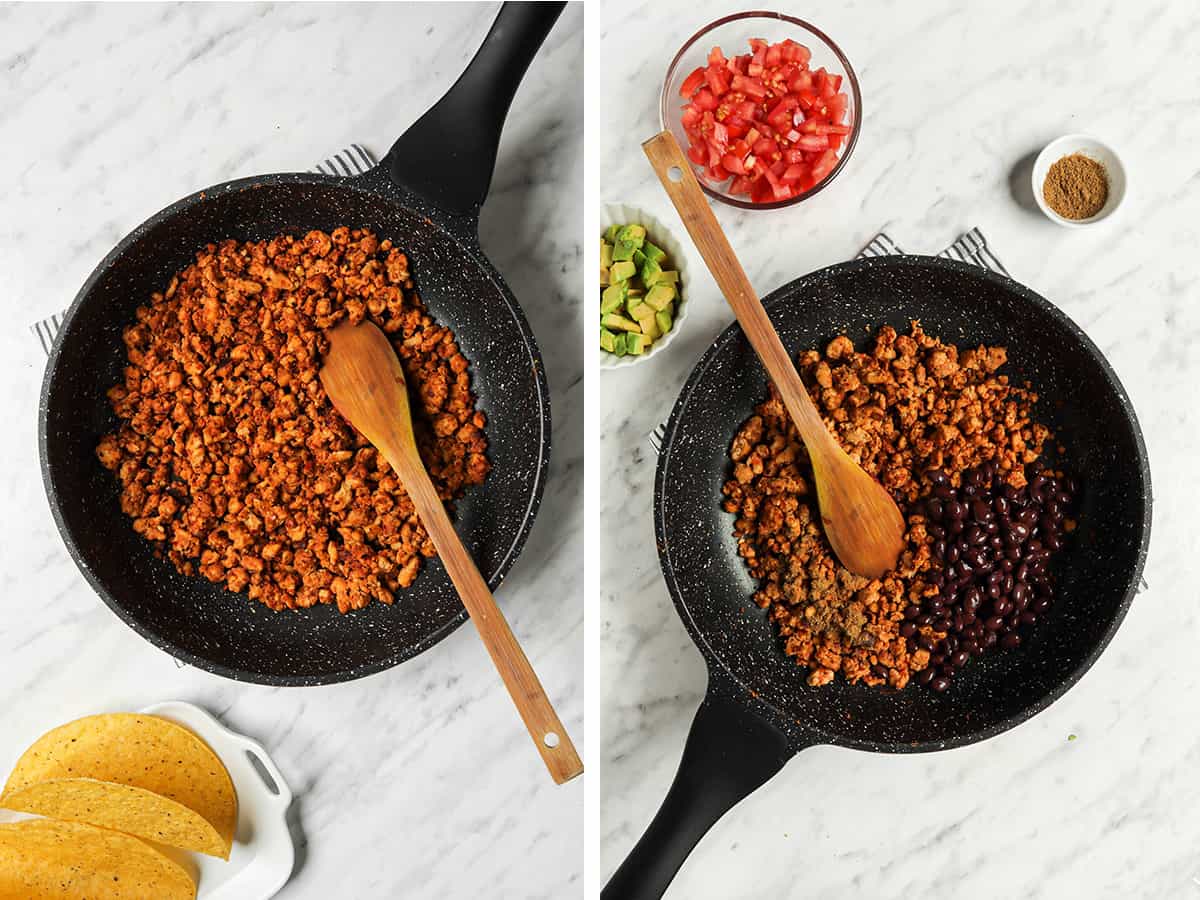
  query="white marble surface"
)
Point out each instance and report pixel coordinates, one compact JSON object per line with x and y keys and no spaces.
{"x":957,"y":97}
{"x":418,"y":782}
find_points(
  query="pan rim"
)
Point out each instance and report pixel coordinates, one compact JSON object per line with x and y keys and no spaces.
{"x":370,"y":182}
{"x":804,"y":734}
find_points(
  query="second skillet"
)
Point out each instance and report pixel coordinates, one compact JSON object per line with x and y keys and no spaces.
{"x":759,"y":710}
{"x":425,"y":195}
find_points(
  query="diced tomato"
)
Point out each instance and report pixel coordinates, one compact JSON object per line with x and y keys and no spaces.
{"x":718,"y":79}
{"x":740,"y":185}
{"x":801,"y":81}
{"x":705,"y":99}
{"x":764,"y":147}
{"x":763,"y":121}
{"x":824,"y":165}
{"x":794,"y":173}
{"x":837,"y":107}
{"x":691,"y":84}
{"x":733,"y":164}
{"x":751,"y":87}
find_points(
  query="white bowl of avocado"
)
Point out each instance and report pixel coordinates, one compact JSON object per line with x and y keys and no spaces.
{"x":643,"y":286}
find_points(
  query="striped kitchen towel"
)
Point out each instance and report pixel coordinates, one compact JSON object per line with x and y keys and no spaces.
{"x":353,"y":160}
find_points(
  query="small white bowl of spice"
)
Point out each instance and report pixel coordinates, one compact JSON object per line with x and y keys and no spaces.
{"x":1078,"y":180}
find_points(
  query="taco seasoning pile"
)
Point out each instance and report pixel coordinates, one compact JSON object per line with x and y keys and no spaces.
{"x":952,"y":439}
{"x":1076,"y":187}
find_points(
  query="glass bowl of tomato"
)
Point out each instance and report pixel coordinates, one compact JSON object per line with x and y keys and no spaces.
{"x":766,"y":106}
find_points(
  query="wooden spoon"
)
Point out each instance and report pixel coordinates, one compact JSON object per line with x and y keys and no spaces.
{"x":363,"y":378}
{"x":863,"y":523}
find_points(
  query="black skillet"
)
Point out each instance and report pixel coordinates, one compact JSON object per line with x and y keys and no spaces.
{"x":426,"y":195}
{"x":759,"y":711}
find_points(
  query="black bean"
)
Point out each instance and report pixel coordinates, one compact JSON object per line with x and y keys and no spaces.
{"x":924,"y":621}
{"x":912,"y":611}
{"x":1028,"y":618}
{"x":943,"y":491}
{"x":1008,"y":585}
{"x":993,"y":590}
{"x":942,"y":623}
{"x":1001,"y":505}
{"x":990,"y":528}
{"x":1001,"y":607}
{"x":936,"y":659}
{"x":1019,"y":532}
{"x":925,"y":676}
{"x":995,"y":623}
{"x":955,"y":527}
{"x":907,"y":629}
{"x":955,"y":510}
{"x":937,"y":532}
{"x":879,"y":670}
{"x":925,"y":642}
{"x":960,"y":658}
{"x":940,"y":683}
{"x":1053,"y":542}
{"x":1010,"y":641}
{"x":952,"y":553}
{"x":980,"y":510}
{"x":937,"y":477}
{"x":989,"y":639}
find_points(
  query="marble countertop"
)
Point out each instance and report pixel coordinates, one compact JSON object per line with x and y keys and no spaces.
{"x":958,"y":97}
{"x":419,"y":781}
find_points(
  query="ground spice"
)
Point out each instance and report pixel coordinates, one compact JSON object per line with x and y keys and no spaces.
{"x":1076,"y":187}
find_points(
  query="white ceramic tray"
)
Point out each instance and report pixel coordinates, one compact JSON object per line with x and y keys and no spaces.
{"x":263,"y":853}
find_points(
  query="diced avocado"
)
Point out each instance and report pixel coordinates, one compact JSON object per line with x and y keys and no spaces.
{"x":604,"y":276}
{"x":663,"y":321}
{"x":605,"y":254}
{"x":607,"y":340}
{"x":618,"y":322}
{"x":633,"y":234}
{"x":619,"y":344}
{"x":635,"y":344}
{"x":639,"y":259}
{"x":649,"y":325}
{"x":623,"y":250}
{"x":637,"y":309}
{"x":622,"y":271}
{"x":650,"y":271}
{"x":653,"y":252}
{"x":660,"y":295}
{"x":668,"y":277}
{"x":610,"y":233}
{"x":612,"y":298}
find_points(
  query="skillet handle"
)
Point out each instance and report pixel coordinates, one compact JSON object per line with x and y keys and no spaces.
{"x":447,"y":156}
{"x":730,"y":753}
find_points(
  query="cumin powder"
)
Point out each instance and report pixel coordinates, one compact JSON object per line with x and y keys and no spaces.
{"x":1076,"y":187}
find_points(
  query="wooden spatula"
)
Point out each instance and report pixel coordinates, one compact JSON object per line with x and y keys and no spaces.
{"x":363,"y":378}
{"x":863,"y":523}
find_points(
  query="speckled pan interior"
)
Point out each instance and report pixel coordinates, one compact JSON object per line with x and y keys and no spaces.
{"x":1097,"y":571}
{"x":204,"y":624}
